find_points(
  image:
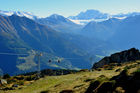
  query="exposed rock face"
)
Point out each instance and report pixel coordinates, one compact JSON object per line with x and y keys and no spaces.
{"x":121,"y":57}
{"x":3,"y":81}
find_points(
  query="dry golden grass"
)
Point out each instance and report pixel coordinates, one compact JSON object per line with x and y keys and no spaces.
{"x":75,"y":82}
{"x":55,"y":84}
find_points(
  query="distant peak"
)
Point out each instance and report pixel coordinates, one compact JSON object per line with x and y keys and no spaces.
{"x":56,"y":16}
{"x":18,"y":13}
{"x":92,"y":10}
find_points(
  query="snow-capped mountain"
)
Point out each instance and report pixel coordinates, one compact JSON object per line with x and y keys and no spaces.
{"x":58,"y":18}
{"x":121,"y":15}
{"x":89,"y":15}
{"x":94,"y":15}
{"x":19,"y":13}
{"x":82,"y":18}
{"x":84,"y":22}
{"x":60,"y":23}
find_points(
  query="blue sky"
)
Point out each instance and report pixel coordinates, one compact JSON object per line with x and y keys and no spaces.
{"x":66,"y":8}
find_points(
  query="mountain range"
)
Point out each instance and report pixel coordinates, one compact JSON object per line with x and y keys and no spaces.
{"x":60,"y":23}
{"x":84,"y":18}
{"x":20,"y":35}
{"x":18,"y":13}
{"x":59,"y":38}
{"x":117,"y":31}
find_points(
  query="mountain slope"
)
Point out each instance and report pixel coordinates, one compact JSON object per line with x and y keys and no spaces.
{"x":84,"y":18}
{"x":21,"y":32}
{"x":117,"y":31}
{"x":102,"y":81}
{"x":127,"y":33}
{"x":118,"y":58}
{"x":101,"y":30}
{"x":18,"y":13}
{"x":90,"y":14}
{"x":60,"y":23}
{"x":24,"y":36}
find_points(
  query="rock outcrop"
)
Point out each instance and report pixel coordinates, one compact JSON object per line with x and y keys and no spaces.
{"x":122,"y":83}
{"x":121,"y":57}
{"x":3,"y":81}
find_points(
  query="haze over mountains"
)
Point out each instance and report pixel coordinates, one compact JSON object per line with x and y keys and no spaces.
{"x":59,"y":38}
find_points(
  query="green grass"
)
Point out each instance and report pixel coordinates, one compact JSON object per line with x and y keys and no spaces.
{"x":55,"y":84}
{"x":77,"y":82}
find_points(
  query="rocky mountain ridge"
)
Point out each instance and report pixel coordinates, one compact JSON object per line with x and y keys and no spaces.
{"x":120,"y":57}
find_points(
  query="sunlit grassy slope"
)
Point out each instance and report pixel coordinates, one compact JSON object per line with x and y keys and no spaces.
{"x":78,"y":82}
{"x":55,"y":84}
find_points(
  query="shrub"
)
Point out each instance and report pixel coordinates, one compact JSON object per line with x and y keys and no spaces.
{"x":137,"y":74}
{"x":84,"y":70}
{"x":102,"y":78}
{"x":138,"y":70}
{"x":88,"y":80}
{"x":110,"y":68}
{"x":106,"y":87}
{"x":127,"y":67}
{"x":19,"y":77}
{"x":99,"y":69}
{"x":138,"y":63}
{"x":119,"y":90}
{"x":21,"y":82}
{"x":79,"y":86}
{"x":118,"y":70}
{"x":92,"y":86}
{"x":30,"y":78}
{"x":6,"y":76}
{"x":119,"y":64}
{"x":11,"y":80}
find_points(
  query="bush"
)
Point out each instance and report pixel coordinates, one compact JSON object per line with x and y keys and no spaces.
{"x":6,"y":76}
{"x":99,"y":69}
{"x":21,"y":82}
{"x":138,"y":70}
{"x":127,"y":67}
{"x":19,"y":77}
{"x":137,"y":74}
{"x":79,"y":86}
{"x":88,"y":80}
{"x":110,"y":68}
{"x":84,"y":70}
{"x":118,"y":70}
{"x":106,"y":87}
{"x":119,"y":90}
{"x":92,"y":86}
{"x":30,"y":78}
{"x":102,"y":78}
{"x":119,"y":64}
{"x":11,"y":80}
